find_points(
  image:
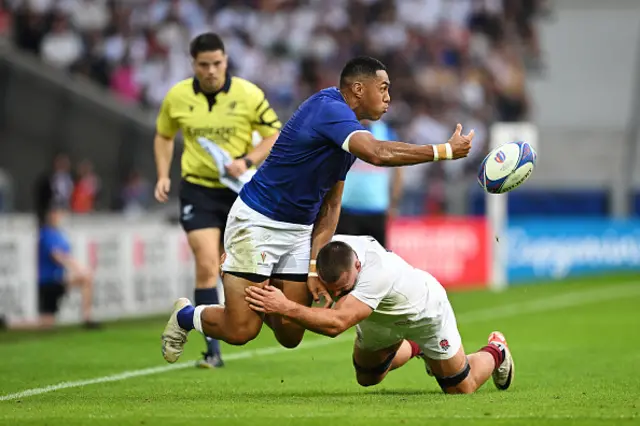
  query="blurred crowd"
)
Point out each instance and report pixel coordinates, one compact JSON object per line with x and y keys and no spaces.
{"x":449,"y":60}
{"x":78,"y":189}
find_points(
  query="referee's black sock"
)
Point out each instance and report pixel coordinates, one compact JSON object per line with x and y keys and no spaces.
{"x":208,"y":296}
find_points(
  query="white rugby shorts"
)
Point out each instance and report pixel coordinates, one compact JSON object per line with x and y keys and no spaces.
{"x":436,"y":332}
{"x":257,"y":244}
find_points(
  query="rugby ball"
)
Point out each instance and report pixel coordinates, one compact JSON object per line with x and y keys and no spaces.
{"x":507,"y":167}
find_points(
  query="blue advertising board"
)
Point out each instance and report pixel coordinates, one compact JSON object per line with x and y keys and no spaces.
{"x":548,"y":248}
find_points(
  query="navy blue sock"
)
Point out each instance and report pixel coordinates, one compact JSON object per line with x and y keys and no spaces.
{"x":185,"y":317}
{"x":208,"y":296}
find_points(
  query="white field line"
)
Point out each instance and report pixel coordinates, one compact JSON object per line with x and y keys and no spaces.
{"x":566,"y":300}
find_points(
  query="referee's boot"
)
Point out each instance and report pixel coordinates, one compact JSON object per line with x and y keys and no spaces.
{"x":210,"y":361}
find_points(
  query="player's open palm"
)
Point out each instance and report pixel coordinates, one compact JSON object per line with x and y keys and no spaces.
{"x":268,"y":300}
{"x":163,"y":186}
{"x":461,"y":144}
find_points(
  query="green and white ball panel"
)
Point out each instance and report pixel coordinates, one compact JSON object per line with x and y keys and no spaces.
{"x":495,"y":169}
{"x":507,"y":167}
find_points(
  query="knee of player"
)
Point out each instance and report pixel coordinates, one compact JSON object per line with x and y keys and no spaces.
{"x":366,"y":380}
{"x":242,"y":335}
{"x":289,"y":342}
{"x":460,"y":382}
{"x":459,"y":390}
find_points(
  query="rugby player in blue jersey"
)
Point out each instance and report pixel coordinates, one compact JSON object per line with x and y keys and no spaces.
{"x":290,"y":208}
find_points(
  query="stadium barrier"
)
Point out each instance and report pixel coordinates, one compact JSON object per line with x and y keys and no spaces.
{"x":551,"y":249}
{"x":141,"y":267}
{"x":458,"y":251}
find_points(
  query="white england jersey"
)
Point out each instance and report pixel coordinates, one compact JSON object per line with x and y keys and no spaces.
{"x":398,"y":293}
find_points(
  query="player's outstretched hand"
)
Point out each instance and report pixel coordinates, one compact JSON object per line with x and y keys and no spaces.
{"x":237,"y":167}
{"x":268,"y":300}
{"x":461,"y":144}
{"x":163,"y":186}
{"x":317,"y":290}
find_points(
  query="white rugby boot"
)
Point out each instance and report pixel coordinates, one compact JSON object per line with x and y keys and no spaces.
{"x":174,"y":337}
{"x":503,"y":375}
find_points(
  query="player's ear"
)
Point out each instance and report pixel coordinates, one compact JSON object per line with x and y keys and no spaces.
{"x":358,"y":89}
{"x":358,"y":265}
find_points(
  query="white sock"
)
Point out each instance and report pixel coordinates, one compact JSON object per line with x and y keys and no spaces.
{"x":197,"y":322}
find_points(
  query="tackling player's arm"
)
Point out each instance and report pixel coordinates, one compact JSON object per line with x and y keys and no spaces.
{"x":166,"y":129}
{"x":366,"y":147}
{"x":346,"y":313}
{"x":323,"y":230}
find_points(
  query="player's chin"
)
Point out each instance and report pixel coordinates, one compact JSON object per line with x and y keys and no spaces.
{"x":375,"y":116}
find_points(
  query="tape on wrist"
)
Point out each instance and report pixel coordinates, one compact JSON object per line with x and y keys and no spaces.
{"x":313,"y":275}
{"x":449,"y":151}
{"x":436,"y":157}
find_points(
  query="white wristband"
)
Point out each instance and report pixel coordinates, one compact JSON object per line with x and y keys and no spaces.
{"x":312,"y":262}
{"x":313,"y":274}
{"x":436,"y":157}
{"x":447,"y":146}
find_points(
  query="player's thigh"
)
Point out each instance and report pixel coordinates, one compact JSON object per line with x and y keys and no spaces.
{"x":239,"y":317}
{"x":374,"y":344}
{"x":254,"y":243}
{"x":373,"y":354}
{"x":440,"y":342}
{"x":294,"y":286}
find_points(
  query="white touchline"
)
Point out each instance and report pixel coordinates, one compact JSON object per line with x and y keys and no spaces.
{"x":540,"y":305}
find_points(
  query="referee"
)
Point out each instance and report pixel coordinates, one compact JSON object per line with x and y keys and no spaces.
{"x":225,"y":110}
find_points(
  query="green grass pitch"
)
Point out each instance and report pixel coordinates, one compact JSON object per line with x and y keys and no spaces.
{"x":576,"y":345}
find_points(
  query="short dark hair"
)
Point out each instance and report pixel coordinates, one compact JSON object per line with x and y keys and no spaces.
{"x":206,"y":42}
{"x":361,"y":66}
{"x":334,"y":259}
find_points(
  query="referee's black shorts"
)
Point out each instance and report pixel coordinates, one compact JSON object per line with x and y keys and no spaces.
{"x":373,"y":224}
{"x":202,"y":207}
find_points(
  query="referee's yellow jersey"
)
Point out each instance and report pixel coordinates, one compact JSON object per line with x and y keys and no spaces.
{"x":227,"y":118}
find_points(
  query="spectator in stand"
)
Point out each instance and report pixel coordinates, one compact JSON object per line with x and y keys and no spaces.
{"x":86,"y":189}
{"x":469,"y":56}
{"x":56,"y":185}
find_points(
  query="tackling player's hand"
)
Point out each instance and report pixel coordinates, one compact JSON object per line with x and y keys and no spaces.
{"x":237,"y":167}
{"x":268,"y":300}
{"x":163,"y":186}
{"x":461,"y":144}
{"x":317,"y":289}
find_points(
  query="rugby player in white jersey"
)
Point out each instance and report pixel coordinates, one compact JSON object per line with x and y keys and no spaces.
{"x":399,"y":312}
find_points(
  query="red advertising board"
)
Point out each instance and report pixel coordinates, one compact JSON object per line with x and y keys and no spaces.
{"x":455,"y":250}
